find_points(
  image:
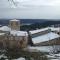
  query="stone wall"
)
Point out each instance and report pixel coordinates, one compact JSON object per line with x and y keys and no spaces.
{"x":15,"y":42}
{"x":7,"y":41}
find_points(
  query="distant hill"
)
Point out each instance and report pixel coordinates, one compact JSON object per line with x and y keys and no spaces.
{"x":31,"y":21}
{"x":22,"y":21}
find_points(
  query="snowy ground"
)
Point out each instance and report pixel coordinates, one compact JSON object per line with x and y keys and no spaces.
{"x":53,"y":57}
{"x":49,"y":49}
{"x":46,"y":48}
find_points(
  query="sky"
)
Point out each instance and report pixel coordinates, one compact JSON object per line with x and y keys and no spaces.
{"x":30,"y":9}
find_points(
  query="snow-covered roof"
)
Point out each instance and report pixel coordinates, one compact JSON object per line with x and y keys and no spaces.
{"x":44,"y":29}
{"x":45,"y":37}
{"x":13,"y":32}
{"x":18,"y":33}
{"x":4,"y":28}
{"x":14,"y":20}
{"x":39,"y":30}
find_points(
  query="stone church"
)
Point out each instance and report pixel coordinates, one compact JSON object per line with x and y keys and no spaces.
{"x":13,"y":38}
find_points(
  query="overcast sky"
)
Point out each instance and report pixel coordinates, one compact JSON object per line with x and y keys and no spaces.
{"x":30,"y":9}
